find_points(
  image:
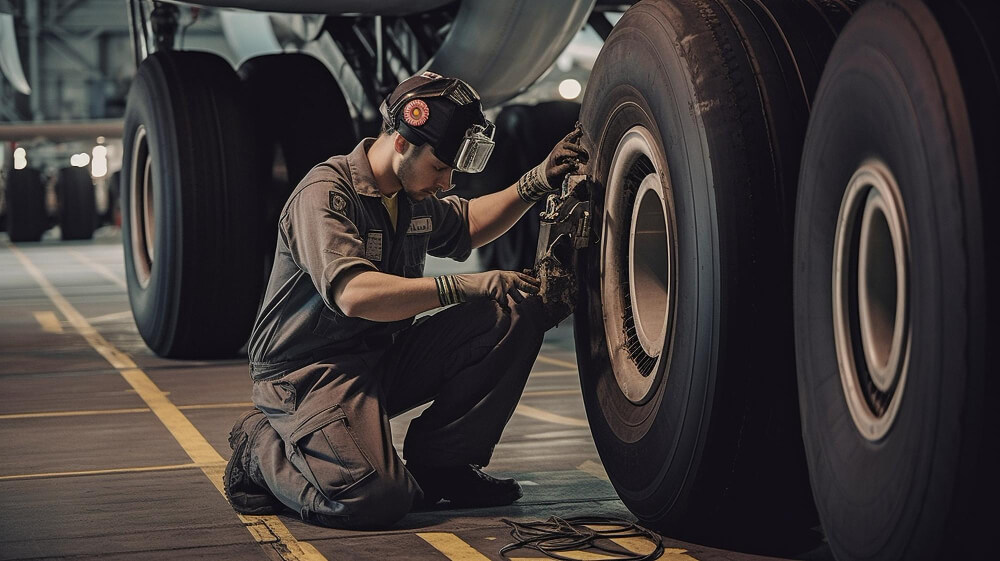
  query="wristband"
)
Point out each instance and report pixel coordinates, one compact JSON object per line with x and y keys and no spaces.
{"x":533,"y":186}
{"x":448,"y":292}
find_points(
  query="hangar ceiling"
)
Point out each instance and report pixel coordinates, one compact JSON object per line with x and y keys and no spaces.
{"x":76,"y":56}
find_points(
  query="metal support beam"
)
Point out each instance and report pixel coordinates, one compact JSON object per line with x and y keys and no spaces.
{"x":31,"y":13}
{"x":137,"y":31}
{"x":59,"y":43}
{"x":65,"y":130}
{"x":165,"y":22}
{"x":61,"y":11}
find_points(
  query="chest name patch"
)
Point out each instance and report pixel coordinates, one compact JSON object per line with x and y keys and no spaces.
{"x":420,"y":225}
{"x":373,"y":245}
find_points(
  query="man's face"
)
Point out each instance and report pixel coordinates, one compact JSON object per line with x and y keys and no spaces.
{"x":421,"y":174}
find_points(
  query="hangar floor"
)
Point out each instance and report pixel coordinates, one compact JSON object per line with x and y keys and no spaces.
{"x":111,"y":452}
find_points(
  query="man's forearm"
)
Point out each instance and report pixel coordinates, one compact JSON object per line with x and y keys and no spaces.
{"x":379,"y":296}
{"x":492,"y":215}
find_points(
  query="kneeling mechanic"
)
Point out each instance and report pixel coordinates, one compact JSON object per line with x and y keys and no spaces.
{"x":335,"y":352}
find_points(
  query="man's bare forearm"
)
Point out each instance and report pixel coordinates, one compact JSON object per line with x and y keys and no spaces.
{"x":492,"y":215}
{"x":379,"y":296}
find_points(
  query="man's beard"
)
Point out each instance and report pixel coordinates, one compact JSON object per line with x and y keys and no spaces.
{"x":407,"y":176}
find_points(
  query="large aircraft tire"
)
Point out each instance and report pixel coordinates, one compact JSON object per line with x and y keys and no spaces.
{"x":295,"y":127}
{"x":684,"y":322}
{"x":113,"y":214}
{"x":309,"y":123}
{"x":894,"y":286}
{"x":25,"y":198}
{"x":191,"y":207}
{"x":77,"y":203}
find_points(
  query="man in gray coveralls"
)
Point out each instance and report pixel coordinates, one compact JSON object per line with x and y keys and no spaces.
{"x":335,"y":352}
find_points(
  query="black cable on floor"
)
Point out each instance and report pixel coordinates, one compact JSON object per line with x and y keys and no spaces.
{"x":565,"y":534}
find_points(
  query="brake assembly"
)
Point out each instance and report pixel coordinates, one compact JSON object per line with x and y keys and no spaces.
{"x":565,"y":228}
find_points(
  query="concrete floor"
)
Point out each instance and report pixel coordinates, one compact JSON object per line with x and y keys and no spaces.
{"x":111,"y":452}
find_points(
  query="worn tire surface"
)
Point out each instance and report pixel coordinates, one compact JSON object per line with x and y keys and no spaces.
{"x":714,"y":452}
{"x":25,"y":199}
{"x":300,"y":118}
{"x":914,"y":88}
{"x":204,"y":277}
{"x":77,"y":203}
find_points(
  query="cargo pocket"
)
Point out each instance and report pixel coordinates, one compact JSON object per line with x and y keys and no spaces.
{"x":327,"y":452}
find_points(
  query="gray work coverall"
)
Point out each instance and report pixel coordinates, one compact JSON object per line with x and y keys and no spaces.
{"x":328,"y":384}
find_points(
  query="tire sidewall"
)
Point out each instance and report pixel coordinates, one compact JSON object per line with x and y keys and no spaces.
{"x":149,"y":107}
{"x":640,"y":442}
{"x":883,"y":103}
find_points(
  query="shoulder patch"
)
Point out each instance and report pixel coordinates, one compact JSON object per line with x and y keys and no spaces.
{"x":337,"y":201}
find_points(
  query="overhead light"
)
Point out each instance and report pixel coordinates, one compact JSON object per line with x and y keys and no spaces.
{"x":80,"y":160}
{"x":99,"y":168}
{"x":570,"y":88}
{"x":20,"y":158}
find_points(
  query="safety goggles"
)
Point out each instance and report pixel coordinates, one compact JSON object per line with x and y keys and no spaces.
{"x":475,"y":149}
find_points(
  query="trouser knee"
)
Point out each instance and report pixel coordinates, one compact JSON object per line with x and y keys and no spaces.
{"x":377,"y":503}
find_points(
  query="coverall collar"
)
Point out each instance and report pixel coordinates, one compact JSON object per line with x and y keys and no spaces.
{"x":362,"y":175}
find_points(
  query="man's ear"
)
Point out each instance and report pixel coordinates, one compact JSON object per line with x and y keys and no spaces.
{"x":399,"y":144}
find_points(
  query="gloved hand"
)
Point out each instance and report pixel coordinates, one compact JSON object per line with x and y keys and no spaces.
{"x":495,"y":285}
{"x":566,"y":157}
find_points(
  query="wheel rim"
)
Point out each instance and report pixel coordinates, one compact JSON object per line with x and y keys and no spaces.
{"x":638,"y":271}
{"x":141,"y":211}
{"x":870,"y":305}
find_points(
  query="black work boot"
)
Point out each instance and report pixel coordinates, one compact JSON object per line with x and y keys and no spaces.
{"x":464,"y":486}
{"x":242,"y":481}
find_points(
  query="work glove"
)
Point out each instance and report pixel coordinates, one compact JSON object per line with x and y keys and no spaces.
{"x":495,"y":285}
{"x":566,"y":157}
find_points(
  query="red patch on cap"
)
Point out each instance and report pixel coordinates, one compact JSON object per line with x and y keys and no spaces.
{"x":416,"y":113}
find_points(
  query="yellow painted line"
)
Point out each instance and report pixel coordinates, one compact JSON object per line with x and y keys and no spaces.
{"x":595,"y":469}
{"x":264,"y":529}
{"x":536,"y":413}
{"x":556,"y":362}
{"x":101,"y":471}
{"x":548,"y":373}
{"x":540,"y":393}
{"x":115,"y":316}
{"x":49,"y":322}
{"x":42,"y":414}
{"x":73,"y":413}
{"x":99,"y":268}
{"x":643,"y":546}
{"x":452,"y":546}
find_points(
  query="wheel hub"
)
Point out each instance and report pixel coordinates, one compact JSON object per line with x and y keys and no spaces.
{"x":870,"y":304}
{"x":638,"y":264}
{"x":142,"y":226}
